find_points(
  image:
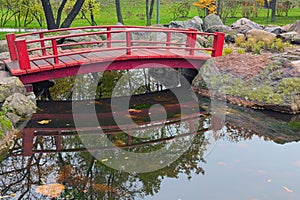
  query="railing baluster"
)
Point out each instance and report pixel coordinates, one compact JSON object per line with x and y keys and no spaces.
{"x":218,"y":44}
{"x":108,"y":37}
{"x":168,"y":39}
{"x":191,"y":41}
{"x":128,"y":43}
{"x":24,"y":61}
{"x":55,"y":52}
{"x":42,"y":44}
{"x":10,"y":38}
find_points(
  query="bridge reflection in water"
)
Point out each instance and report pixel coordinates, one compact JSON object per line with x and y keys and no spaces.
{"x":54,"y":122}
{"x":83,"y":177}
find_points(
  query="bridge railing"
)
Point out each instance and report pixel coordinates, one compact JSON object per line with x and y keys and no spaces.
{"x":48,"y":43}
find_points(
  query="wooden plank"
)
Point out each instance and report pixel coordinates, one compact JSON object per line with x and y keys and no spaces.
{"x":33,"y":68}
{"x":79,"y":59}
{"x":14,"y":68}
{"x":68,"y":61}
{"x":43,"y":65}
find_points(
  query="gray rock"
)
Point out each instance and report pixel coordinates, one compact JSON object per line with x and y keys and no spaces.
{"x":3,"y":46}
{"x":277,"y":30}
{"x":13,"y":117}
{"x":169,"y":78}
{"x":260,"y":35}
{"x":212,"y":20}
{"x":10,"y":85}
{"x":244,"y":24}
{"x":230,"y":34}
{"x":295,"y":27}
{"x":292,"y":37}
{"x":20,"y":105}
{"x":194,"y":23}
{"x":3,"y":56}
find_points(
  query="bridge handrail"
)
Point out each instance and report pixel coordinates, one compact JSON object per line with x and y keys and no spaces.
{"x":19,"y":51}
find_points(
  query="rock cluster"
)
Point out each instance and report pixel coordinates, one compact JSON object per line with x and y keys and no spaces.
{"x":16,"y":103}
{"x":212,"y":23}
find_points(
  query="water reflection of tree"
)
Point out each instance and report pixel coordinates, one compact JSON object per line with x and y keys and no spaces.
{"x":86,"y":178}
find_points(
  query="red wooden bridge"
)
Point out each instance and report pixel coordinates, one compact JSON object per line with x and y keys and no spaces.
{"x":39,"y":56}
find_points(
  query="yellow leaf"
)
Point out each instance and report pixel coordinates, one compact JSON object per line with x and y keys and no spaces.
{"x":134,"y":110}
{"x":104,"y":160}
{"x":119,"y":143}
{"x":44,"y":121}
{"x":51,"y":190}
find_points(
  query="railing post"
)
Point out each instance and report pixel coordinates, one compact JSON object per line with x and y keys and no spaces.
{"x":191,"y":41}
{"x":168,"y":39}
{"x":10,"y":39}
{"x":23,"y":54}
{"x":128,"y":43}
{"x":42,"y":44}
{"x":108,"y":37}
{"x":218,"y":44}
{"x":54,"y":50}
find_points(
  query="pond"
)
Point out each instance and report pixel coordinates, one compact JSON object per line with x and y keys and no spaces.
{"x":254,"y":156}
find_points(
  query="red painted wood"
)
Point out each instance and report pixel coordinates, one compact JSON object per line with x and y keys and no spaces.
{"x":10,"y":38}
{"x":218,"y":44}
{"x":96,"y":58}
{"x":28,"y":135}
{"x":43,"y":44}
{"x":14,"y":68}
{"x":108,"y":37}
{"x":128,"y":43}
{"x":23,"y":57}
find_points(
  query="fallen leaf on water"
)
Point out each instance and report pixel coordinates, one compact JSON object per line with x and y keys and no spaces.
{"x":104,"y":160}
{"x":104,"y":188}
{"x":119,"y":143}
{"x":134,"y":110}
{"x":287,"y":189}
{"x":44,"y":121}
{"x":51,"y":190}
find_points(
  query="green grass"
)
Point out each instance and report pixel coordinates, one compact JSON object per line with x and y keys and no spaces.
{"x":134,"y":14}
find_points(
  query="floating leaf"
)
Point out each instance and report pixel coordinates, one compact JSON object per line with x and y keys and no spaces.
{"x":287,"y":189}
{"x":134,"y":110}
{"x":104,"y":188}
{"x":51,"y":190}
{"x":119,"y":143}
{"x":104,"y":160}
{"x":44,"y":121}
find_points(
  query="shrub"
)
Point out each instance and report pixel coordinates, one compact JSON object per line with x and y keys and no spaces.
{"x":227,"y":51}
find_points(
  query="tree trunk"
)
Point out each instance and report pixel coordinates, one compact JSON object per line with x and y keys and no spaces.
{"x":149,"y":11}
{"x":118,"y":10}
{"x":273,"y":7}
{"x":49,"y":14}
{"x":74,"y":12}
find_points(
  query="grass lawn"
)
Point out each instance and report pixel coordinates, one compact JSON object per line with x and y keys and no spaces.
{"x":134,"y":14}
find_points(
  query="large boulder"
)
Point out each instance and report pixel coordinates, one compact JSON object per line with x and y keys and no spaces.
{"x":3,"y":46}
{"x":194,"y":23}
{"x":19,"y":105}
{"x":168,"y":77}
{"x":3,"y":56}
{"x":212,"y":20}
{"x":260,"y":35}
{"x":10,"y":85}
{"x":292,"y":37}
{"x":277,"y":30}
{"x":295,"y":27}
{"x":243,"y":25}
{"x":230,"y":34}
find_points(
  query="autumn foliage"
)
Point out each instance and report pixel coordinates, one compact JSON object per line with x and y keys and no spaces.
{"x":210,"y":5}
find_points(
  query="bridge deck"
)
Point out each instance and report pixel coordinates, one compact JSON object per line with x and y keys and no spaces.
{"x":40,"y":59}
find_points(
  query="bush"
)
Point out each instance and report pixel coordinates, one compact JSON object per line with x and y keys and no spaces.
{"x":227,"y":51}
